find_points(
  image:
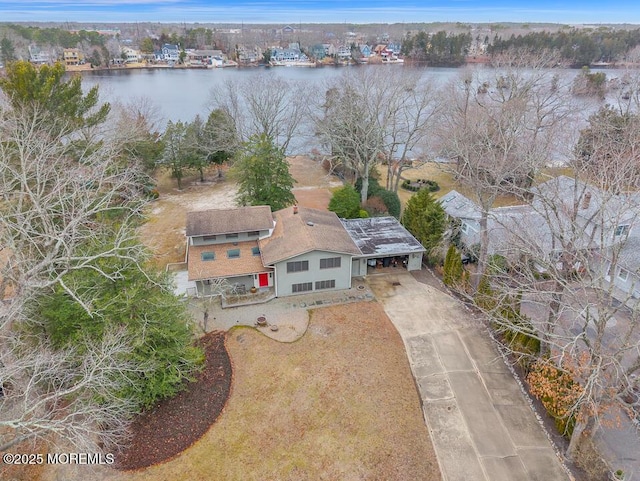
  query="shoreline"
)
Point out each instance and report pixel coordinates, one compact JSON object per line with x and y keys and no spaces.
{"x":484,"y":61}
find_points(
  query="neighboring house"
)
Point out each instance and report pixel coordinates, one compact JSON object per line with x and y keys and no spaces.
{"x":626,"y":273}
{"x":365,"y":50}
{"x":288,"y":55}
{"x":131,"y":55}
{"x":604,"y":226}
{"x":318,"y":51}
{"x":170,"y":53}
{"x":72,"y":56}
{"x":293,"y":250}
{"x":212,"y":58}
{"x":605,"y":218}
{"x":343,"y":52}
{"x":38,"y":56}
{"x":467,"y":212}
{"x":505,"y":226}
{"x":249,"y":55}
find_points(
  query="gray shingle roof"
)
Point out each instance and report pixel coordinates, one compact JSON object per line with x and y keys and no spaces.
{"x":457,"y":205}
{"x":229,"y":221}
{"x":306,"y":231}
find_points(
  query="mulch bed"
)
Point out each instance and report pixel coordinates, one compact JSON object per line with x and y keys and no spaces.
{"x":175,"y":424}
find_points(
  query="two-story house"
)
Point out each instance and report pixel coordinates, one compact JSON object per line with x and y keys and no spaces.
{"x":564,"y":213}
{"x":72,"y":56}
{"x":224,"y":244}
{"x":293,"y":250}
{"x":170,"y":52}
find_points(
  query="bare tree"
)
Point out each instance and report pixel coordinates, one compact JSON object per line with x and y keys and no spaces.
{"x":375,"y":116}
{"x":411,"y":111}
{"x":57,"y":195}
{"x":261,"y":105}
{"x":67,"y":394}
{"x":350,"y":124}
{"x":500,"y":131}
{"x":52,"y":198}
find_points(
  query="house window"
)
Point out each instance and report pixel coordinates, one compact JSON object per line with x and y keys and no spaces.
{"x":207,"y":256}
{"x":621,"y":230}
{"x":233,"y":253}
{"x":297,"y":266}
{"x":253,"y":233}
{"x":325,"y":284}
{"x":208,"y":238}
{"x":623,"y":274}
{"x":231,"y":236}
{"x":330,"y":262}
{"x":302,"y":287}
{"x":255,"y":251}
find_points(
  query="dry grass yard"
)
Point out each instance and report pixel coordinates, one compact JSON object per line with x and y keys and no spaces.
{"x":339,"y":404}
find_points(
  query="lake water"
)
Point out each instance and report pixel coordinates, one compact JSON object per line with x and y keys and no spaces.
{"x":181,"y":94}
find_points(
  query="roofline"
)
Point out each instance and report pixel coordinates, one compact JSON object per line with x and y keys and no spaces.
{"x":395,"y":254}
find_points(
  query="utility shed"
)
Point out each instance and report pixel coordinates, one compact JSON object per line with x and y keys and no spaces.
{"x":383,"y":242}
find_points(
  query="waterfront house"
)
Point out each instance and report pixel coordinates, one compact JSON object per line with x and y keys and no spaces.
{"x":170,"y":53}
{"x":72,"y":56}
{"x":291,"y":251}
{"x":38,"y":56}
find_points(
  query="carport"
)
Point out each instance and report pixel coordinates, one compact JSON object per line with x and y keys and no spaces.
{"x":383,"y":242}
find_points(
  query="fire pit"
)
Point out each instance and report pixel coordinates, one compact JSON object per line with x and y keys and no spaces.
{"x":262,"y":321}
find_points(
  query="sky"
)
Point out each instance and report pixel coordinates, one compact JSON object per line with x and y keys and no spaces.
{"x":325,"y":11}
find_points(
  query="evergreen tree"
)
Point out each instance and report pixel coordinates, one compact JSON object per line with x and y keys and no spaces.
{"x":7,"y":51}
{"x":43,"y":91}
{"x":262,"y":172}
{"x":425,"y":219}
{"x":345,"y":202}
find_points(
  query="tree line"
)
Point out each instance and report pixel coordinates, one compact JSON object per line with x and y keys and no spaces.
{"x":577,"y":46}
{"x":90,"y":333}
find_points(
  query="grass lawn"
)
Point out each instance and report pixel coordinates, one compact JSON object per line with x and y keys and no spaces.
{"x":339,"y":404}
{"x":441,"y":173}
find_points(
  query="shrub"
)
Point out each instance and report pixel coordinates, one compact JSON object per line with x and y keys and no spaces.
{"x":392,"y":201}
{"x":345,"y":202}
{"x":375,"y":206}
{"x":454,"y":274}
{"x":558,"y":392}
{"x":430,"y":185}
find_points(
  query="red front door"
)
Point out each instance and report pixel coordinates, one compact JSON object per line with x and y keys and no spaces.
{"x":263,"y":279}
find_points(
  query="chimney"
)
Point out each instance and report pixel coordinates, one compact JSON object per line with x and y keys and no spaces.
{"x":295,"y":209}
{"x":586,"y":200}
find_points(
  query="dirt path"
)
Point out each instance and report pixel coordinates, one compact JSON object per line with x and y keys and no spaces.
{"x":165,"y":228}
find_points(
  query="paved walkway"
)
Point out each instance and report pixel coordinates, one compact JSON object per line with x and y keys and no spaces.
{"x":287,"y":318}
{"x":481,"y":425}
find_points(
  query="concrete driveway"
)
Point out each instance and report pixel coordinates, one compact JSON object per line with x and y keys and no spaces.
{"x":481,"y":425}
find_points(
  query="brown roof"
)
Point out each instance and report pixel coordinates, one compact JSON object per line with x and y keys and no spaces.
{"x":229,"y":221}
{"x":222,"y":266}
{"x":306,"y":231}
